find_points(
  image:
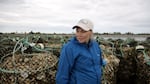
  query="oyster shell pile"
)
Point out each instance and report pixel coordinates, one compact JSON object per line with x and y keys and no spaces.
{"x":37,"y":68}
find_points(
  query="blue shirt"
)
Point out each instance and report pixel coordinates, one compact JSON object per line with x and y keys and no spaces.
{"x":79,"y":63}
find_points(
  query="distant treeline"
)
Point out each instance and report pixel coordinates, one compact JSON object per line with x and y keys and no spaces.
{"x":118,"y":33}
{"x":105,"y":33}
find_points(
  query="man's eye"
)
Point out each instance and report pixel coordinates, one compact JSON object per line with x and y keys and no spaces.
{"x":83,"y":31}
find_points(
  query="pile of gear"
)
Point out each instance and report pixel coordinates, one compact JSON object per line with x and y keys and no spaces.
{"x":128,"y":61}
{"x":33,"y":60}
{"x":24,"y":62}
{"x":28,"y":69}
{"x":143,"y":64}
{"x":110,"y":69}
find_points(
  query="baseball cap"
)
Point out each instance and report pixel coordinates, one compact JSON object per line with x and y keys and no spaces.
{"x":85,"y":24}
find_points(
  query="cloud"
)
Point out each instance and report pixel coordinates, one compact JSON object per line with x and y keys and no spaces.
{"x":11,"y":1}
{"x":59,"y":15}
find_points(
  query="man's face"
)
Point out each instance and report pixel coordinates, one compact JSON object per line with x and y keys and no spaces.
{"x":82,"y":35}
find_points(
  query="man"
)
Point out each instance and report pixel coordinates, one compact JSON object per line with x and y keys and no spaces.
{"x":80,"y":59}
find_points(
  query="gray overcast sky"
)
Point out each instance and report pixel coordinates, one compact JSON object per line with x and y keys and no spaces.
{"x":49,"y":16}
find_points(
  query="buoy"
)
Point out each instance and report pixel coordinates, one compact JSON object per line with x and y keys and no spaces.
{"x":139,"y":47}
{"x":40,"y":45}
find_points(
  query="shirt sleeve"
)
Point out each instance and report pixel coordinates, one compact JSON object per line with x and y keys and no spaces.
{"x":64,"y":66}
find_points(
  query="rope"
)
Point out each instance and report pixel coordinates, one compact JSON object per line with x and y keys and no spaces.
{"x":146,"y":57}
{"x":20,"y":45}
{"x":121,"y":49}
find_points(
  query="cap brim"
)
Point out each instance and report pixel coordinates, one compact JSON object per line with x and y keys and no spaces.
{"x":79,"y":27}
{"x":75,"y":27}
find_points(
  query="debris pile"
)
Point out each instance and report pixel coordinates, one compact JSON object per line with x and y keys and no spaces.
{"x":27,"y":69}
{"x":33,"y":60}
{"x":127,"y":67}
{"x":26,"y":62}
{"x":110,"y":69}
{"x":143,"y":65}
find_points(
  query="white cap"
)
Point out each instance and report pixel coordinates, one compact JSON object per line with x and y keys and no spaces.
{"x":85,"y":24}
